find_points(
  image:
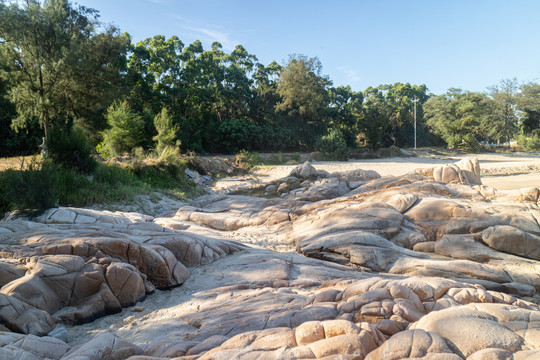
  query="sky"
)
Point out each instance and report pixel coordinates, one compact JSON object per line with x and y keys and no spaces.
{"x":467,"y":44}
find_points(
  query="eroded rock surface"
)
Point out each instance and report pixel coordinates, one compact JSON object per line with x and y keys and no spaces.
{"x":429,"y":265}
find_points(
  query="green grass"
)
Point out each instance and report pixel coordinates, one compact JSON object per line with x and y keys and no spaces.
{"x":44,"y":184}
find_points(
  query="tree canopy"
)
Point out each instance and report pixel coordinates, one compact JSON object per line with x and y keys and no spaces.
{"x":58,"y":63}
{"x":60,"y":66}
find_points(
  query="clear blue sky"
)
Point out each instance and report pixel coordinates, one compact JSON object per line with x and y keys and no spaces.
{"x":471,"y":44}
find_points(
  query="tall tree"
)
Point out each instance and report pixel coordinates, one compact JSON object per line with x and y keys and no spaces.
{"x":374,"y":120}
{"x":344,"y":109}
{"x":529,"y":105}
{"x":53,"y":58}
{"x":502,"y":119}
{"x":304,"y":98}
{"x":154,"y":73}
{"x":457,"y":117}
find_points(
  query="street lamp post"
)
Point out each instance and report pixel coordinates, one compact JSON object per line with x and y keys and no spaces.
{"x":415,"y":100}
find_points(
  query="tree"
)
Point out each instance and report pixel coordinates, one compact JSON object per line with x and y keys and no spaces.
{"x":529,"y":105}
{"x":166,"y":131}
{"x":344,"y":109}
{"x":154,"y":73}
{"x":265,"y":96}
{"x":502,"y":119}
{"x":56,"y":59}
{"x":125,"y":130}
{"x":11,"y":142}
{"x":374,"y":120}
{"x":304,"y":99}
{"x":457,"y":117}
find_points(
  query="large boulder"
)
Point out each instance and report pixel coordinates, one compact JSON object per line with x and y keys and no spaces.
{"x":305,"y":170}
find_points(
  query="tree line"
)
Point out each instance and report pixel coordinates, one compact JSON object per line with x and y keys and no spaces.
{"x":61,"y":69}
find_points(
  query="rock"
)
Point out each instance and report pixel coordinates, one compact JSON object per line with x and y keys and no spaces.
{"x":466,"y":171}
{"x":15,"y":346}
{"x":283,"y":187}
{"x":386,"y":267}
{"x":470,"y":167}
{"x":467,"y":330}
{"x":513,"y":241}
{"x":212,"y":166}
{"x":104,"y":346}
{"x":305,"y":170}
{"x":321,"y":189}
{"x":60,"y":333}
{"x":412,"y":344}
{"x":20,"y":317}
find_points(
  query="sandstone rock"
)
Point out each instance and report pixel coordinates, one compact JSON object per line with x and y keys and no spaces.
{"x":304,"y":170}
{"x":491,"y":354}
{"x":467,"y":330}
{"x":511,"y":240}
{"x":16,"y":346}
{"x":412,"y":344}
{"x":20,"y":317}
{"x":105,"y":346}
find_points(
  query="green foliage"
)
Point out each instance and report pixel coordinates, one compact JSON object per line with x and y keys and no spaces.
{"x":387,"y":116}
{"x":234,"y":135}
{"x":125,"y":131}
{"x":11,"y":142}
{"x":59,"y":66}
{"x":71,"y":149}
{"x":304,"y":98}
{"x":529,"y":105}
{"x":501,"y":118}
{"x":531,"y":143}
{"x":31,"y":189}
{"x":167,"y":131}
{"x":44,"y":185}
{"x":247,"y":160}
{"x":458,"y":117}
{"x":333,"y":145}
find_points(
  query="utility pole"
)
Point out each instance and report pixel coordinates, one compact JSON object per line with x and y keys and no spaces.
{"x":415,"y":100}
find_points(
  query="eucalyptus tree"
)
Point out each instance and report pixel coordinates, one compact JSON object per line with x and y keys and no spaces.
{"x":344,"y":109}
{"x":374,"y":119}
{"x":529,"y":105}
{"x":155,"y":73}
{"x":304,"y":98}
{"x":457,"y":117}
{"x":502,"y":120}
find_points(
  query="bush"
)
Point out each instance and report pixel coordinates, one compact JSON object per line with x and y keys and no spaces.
{"x":247,"y":160}
{"x":166,"y":137}
{"x":531,"y":143}
{"x":31,"y":190}
{"x":333,"y":145}
{"x":71,"y":150}
{"x":126,"y":130}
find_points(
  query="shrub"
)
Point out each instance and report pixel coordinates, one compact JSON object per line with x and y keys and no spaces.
{"x":247,"y":160}
{"x":71,"y":150}
{"x":166,"y":136}
{"x":31,"y":190}
{"x":530,"y":143}
{"x":333,"y":145}
{"x":126,"y":130}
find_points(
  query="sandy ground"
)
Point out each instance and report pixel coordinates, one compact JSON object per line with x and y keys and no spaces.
{"x":501,"y":171}
{"x":499,"y":164}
